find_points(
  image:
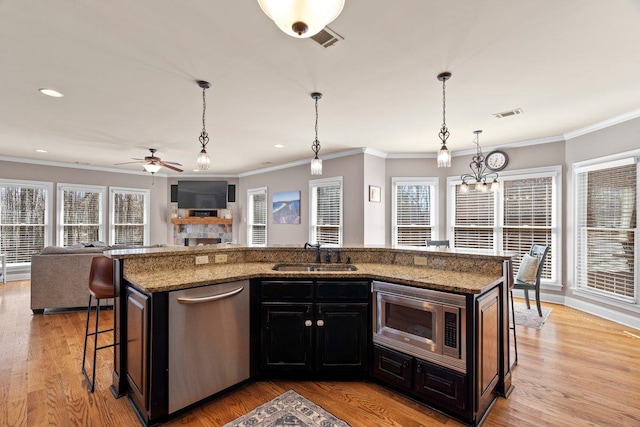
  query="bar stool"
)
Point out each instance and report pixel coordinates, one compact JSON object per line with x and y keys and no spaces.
{"x":100,"y":287}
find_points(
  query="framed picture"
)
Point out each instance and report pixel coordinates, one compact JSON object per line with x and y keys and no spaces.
{"x":374,"y":193}
{"x":286,"y":207}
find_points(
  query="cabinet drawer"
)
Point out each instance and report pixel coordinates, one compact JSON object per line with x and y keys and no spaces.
{"x":343,"y":290}
{"x":441,"y":386}
{"x":299,"y":290}
{"x":392,"y":367}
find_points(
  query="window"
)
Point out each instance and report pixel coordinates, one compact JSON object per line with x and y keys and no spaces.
{"x":414,"y":210}
{"x":522,"y":213}
{"x":325,"y":217}
{"x":24,"y":219}
{"x":257,"y":217}
{"x":80,"y":218}
{"x":129,"y":216}
{"x":606,"y":228}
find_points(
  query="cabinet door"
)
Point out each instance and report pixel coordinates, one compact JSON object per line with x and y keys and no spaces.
{"x":393,"y":367}
{"x":441,"y":386}
{"x":342,"y":331}
{"x":488,"y":351}
{"x":285,"y":337}
{"x":137,"y":348}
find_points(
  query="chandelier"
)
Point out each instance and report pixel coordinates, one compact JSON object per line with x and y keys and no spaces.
{"x":444,"y":155}
{"x":203,"y":158}
{"x":302,"y":18}
{"x":316,"y":162}
{"x":479,"y":173}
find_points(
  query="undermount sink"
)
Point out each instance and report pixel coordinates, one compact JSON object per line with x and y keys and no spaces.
{"x":315,"y":267}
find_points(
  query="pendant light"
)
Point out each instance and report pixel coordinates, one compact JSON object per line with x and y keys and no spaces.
{"x":302,"y":18}
{"x":444,"y":155}
{"x":316,"y":162}
{"x":203,"y":158}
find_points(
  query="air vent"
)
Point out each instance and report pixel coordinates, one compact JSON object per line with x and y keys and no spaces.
{"x":327,"y":37}
{"x":508,"y":113}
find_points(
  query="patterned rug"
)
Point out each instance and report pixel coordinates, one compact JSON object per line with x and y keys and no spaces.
{"x":288,"y":410}
{"x":530,"y":318}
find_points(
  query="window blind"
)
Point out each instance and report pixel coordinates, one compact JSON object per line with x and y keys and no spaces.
{"x":81,"y":215}
{"x":326,"y":208}
{"x":474,"y":219}
{"x":528,"y":218}
{"x":128,"y":218}
{"x":257,"y":221}
{"x":23,"y":221}
{"x":606,"y":223}
{"x":413,"y":212}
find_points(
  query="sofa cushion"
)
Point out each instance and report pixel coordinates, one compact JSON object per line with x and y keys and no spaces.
{"x":61,"y":250}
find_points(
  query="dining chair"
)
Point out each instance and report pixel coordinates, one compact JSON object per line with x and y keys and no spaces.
{"x":538,"y":252}
{"x":438,"y":243}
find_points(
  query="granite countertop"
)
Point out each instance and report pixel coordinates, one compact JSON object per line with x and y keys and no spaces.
{"x":169,"y":279}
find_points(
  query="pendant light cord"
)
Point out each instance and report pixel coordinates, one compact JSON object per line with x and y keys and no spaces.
{"x":444,"y":132}
{"x":204,"y":137}
{"x":316,"y":144}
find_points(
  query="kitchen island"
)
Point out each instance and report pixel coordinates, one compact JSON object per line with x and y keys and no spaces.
{"x":336,"y":324}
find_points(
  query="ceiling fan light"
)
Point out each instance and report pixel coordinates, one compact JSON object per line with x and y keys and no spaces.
{"x":302,"y":18}
{"x":151,"y":167}
{"x":203,"y":160}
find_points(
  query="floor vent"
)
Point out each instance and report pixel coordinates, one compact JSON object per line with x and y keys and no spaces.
{"x":508,"y":113}
{"x":327,"y":37}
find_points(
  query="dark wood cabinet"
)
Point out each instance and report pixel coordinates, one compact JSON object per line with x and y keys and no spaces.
{"x":341,"y":337}
{"x":137,"y":346}
{"x":285,"y":336}
{"x":393,"y":367}
{"x":314,"y":326}
{"x":441,"y":386}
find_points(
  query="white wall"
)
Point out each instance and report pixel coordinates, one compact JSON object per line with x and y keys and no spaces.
{"x":375,"y":219}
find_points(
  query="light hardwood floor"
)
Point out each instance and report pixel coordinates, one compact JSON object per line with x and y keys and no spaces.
{"x":578,"y":370}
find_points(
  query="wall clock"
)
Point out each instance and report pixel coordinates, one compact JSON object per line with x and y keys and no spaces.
{"x":496,"y":160}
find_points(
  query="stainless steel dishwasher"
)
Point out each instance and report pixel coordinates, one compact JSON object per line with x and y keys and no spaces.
{"x":208,"y":341}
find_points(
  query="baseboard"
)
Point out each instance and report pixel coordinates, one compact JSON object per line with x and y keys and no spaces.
{"x":606,"y":313}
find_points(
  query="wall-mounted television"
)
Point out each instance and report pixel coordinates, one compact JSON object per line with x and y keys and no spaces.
{"x":202,"y":194}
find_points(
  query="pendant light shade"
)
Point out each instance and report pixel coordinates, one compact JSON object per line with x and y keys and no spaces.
{"x":316,"y":162}
{"x":302,"y":18}
{"x":203,"y":160}
{"x":444,"y":155}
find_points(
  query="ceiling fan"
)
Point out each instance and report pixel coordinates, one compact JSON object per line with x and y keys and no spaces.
{"x":153,"y":164}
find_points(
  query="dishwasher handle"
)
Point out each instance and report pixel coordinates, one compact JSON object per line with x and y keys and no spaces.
{"x":210,"y":298}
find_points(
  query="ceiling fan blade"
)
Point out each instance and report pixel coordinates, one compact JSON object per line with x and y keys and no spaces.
{"x":173,"y":163}
{"x":168,"y":166}
{"x":126,"y":163}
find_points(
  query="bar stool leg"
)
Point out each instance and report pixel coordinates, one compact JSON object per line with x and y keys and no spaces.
{"x":86,"y":336}
{"x":513,"y":321}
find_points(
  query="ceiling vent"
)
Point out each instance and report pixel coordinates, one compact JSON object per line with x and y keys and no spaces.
{"x":327,"y":37}
{"x":508,"y":113}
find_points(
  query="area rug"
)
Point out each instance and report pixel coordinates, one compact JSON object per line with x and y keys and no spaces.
{"x":530,"y":318}
{"x":288,"y":410}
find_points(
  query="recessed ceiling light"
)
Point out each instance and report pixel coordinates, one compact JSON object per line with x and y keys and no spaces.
{"x":51,"y":92}
{"x":41,"y":151}
{"x":279,"y":146}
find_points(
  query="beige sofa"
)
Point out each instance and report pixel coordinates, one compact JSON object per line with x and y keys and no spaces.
{"x":60,"y":277}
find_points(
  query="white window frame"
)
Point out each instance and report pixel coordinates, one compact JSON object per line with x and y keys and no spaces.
{"x":147,"y":215}
{"x":433,"y":196}
{"x":554,"y":172}
{"x":61,"y":188}
{"x":313,"y":204}
{"x":250,"y":218}
{"x":607,"y":162}
{"x":48,"y":215}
